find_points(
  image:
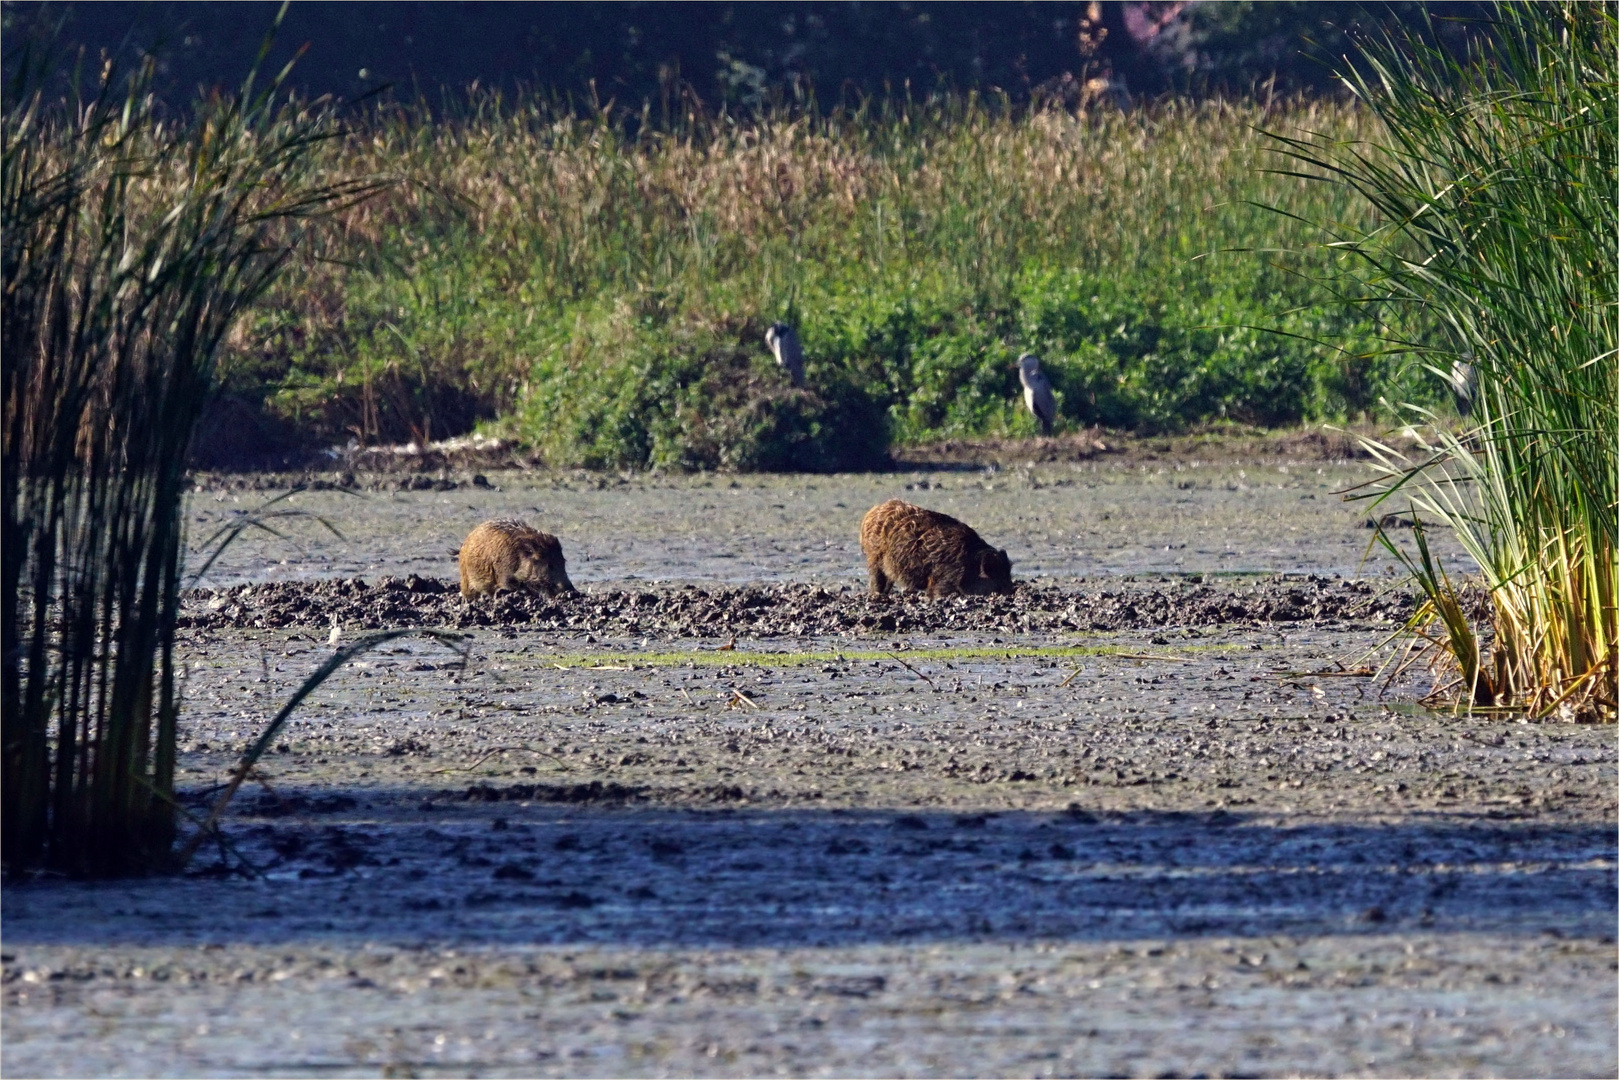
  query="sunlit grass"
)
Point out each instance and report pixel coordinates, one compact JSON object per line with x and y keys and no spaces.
{"x":606,"y":295}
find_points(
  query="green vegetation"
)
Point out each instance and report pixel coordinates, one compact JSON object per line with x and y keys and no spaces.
{"x":604,"y":297}
{"x":130,"y":247}
{"x":1499,"y":182}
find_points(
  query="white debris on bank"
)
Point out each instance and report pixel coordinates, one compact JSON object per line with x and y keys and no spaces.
{"x":476,"y":442}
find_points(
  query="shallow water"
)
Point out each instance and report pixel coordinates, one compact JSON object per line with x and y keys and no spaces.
{"x":1149,"y":850}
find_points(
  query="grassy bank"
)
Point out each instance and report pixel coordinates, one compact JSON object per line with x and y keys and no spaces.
{"x":604,"y":298}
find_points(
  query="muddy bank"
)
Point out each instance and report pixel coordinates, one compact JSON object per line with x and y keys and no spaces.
{"x":553,"y":861}
{"x":1057,"y":522}
{"x":796,"y":610}
{"x":1298,"y":445}
{"x":457,"y":460}
{"x":1277,"y":1006}
{"x":1200,"y":839}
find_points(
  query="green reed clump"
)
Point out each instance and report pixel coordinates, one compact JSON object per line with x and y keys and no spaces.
{"x":1498,"y":181}
{"x":130,"y":244}
{"x":605,"y":295}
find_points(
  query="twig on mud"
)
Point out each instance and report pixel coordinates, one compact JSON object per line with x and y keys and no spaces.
{"x":1150,"y":656}
{"x":915,"y":672}
{"x":506,"y":750}
{"x":737,"y":694}
{"x":1070,"y":678}
{"x":226,"y":848}
{"x":203,"y":793}
{"x":1574,"y":684}
{"x":1358,"y":673}
{"x":257,"y":776}
{"x":1436,"y":697}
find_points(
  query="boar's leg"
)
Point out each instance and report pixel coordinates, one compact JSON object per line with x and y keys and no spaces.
{"x":879,"y":580}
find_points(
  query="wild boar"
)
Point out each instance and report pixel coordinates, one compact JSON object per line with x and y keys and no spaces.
{"x":507,"y":555}
{"x":923,"y":549}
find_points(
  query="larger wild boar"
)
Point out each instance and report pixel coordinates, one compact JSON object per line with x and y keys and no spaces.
{"x":922,"y":549}
{"x":506,"y":555}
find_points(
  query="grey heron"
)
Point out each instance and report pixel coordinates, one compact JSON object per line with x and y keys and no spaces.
{"x":783,"y":341}
{"x":1463,"y":380}
{"x":1037,"y":391}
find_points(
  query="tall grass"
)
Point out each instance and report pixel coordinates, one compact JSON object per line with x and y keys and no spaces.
{"x":130,"y":245}
{"x":1498,"y":178}
{"x":606,"y":295}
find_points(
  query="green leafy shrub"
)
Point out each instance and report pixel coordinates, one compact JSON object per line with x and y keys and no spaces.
{"x":707,"y":402}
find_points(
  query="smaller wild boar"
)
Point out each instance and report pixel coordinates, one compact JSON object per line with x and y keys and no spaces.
{"x":507,"y":555}
{"x":922,"y":549}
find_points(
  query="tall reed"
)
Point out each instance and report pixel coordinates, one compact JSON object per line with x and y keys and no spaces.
{"x":131,"y":243}
{"x":1499,"y":180}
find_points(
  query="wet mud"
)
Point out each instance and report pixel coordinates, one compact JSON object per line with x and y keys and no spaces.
{"x":776,"y":610}
{"x":1106,"y":827}
{"x":1057,"y":522}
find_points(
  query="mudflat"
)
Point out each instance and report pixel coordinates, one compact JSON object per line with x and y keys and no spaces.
{"x":1153,"y":814}
{"x":1057,"y":521}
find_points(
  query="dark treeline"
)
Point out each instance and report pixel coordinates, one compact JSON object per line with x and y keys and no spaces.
{"x":736,"y":54}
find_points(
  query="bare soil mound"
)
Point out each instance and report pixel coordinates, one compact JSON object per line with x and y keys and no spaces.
{"x":795,"y":609}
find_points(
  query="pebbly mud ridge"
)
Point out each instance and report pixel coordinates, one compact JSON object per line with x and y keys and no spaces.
{"x":762,"y":611}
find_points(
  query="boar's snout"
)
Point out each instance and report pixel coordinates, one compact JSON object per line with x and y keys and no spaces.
{"x":995,"y":571}
{"x":556,"y":576}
